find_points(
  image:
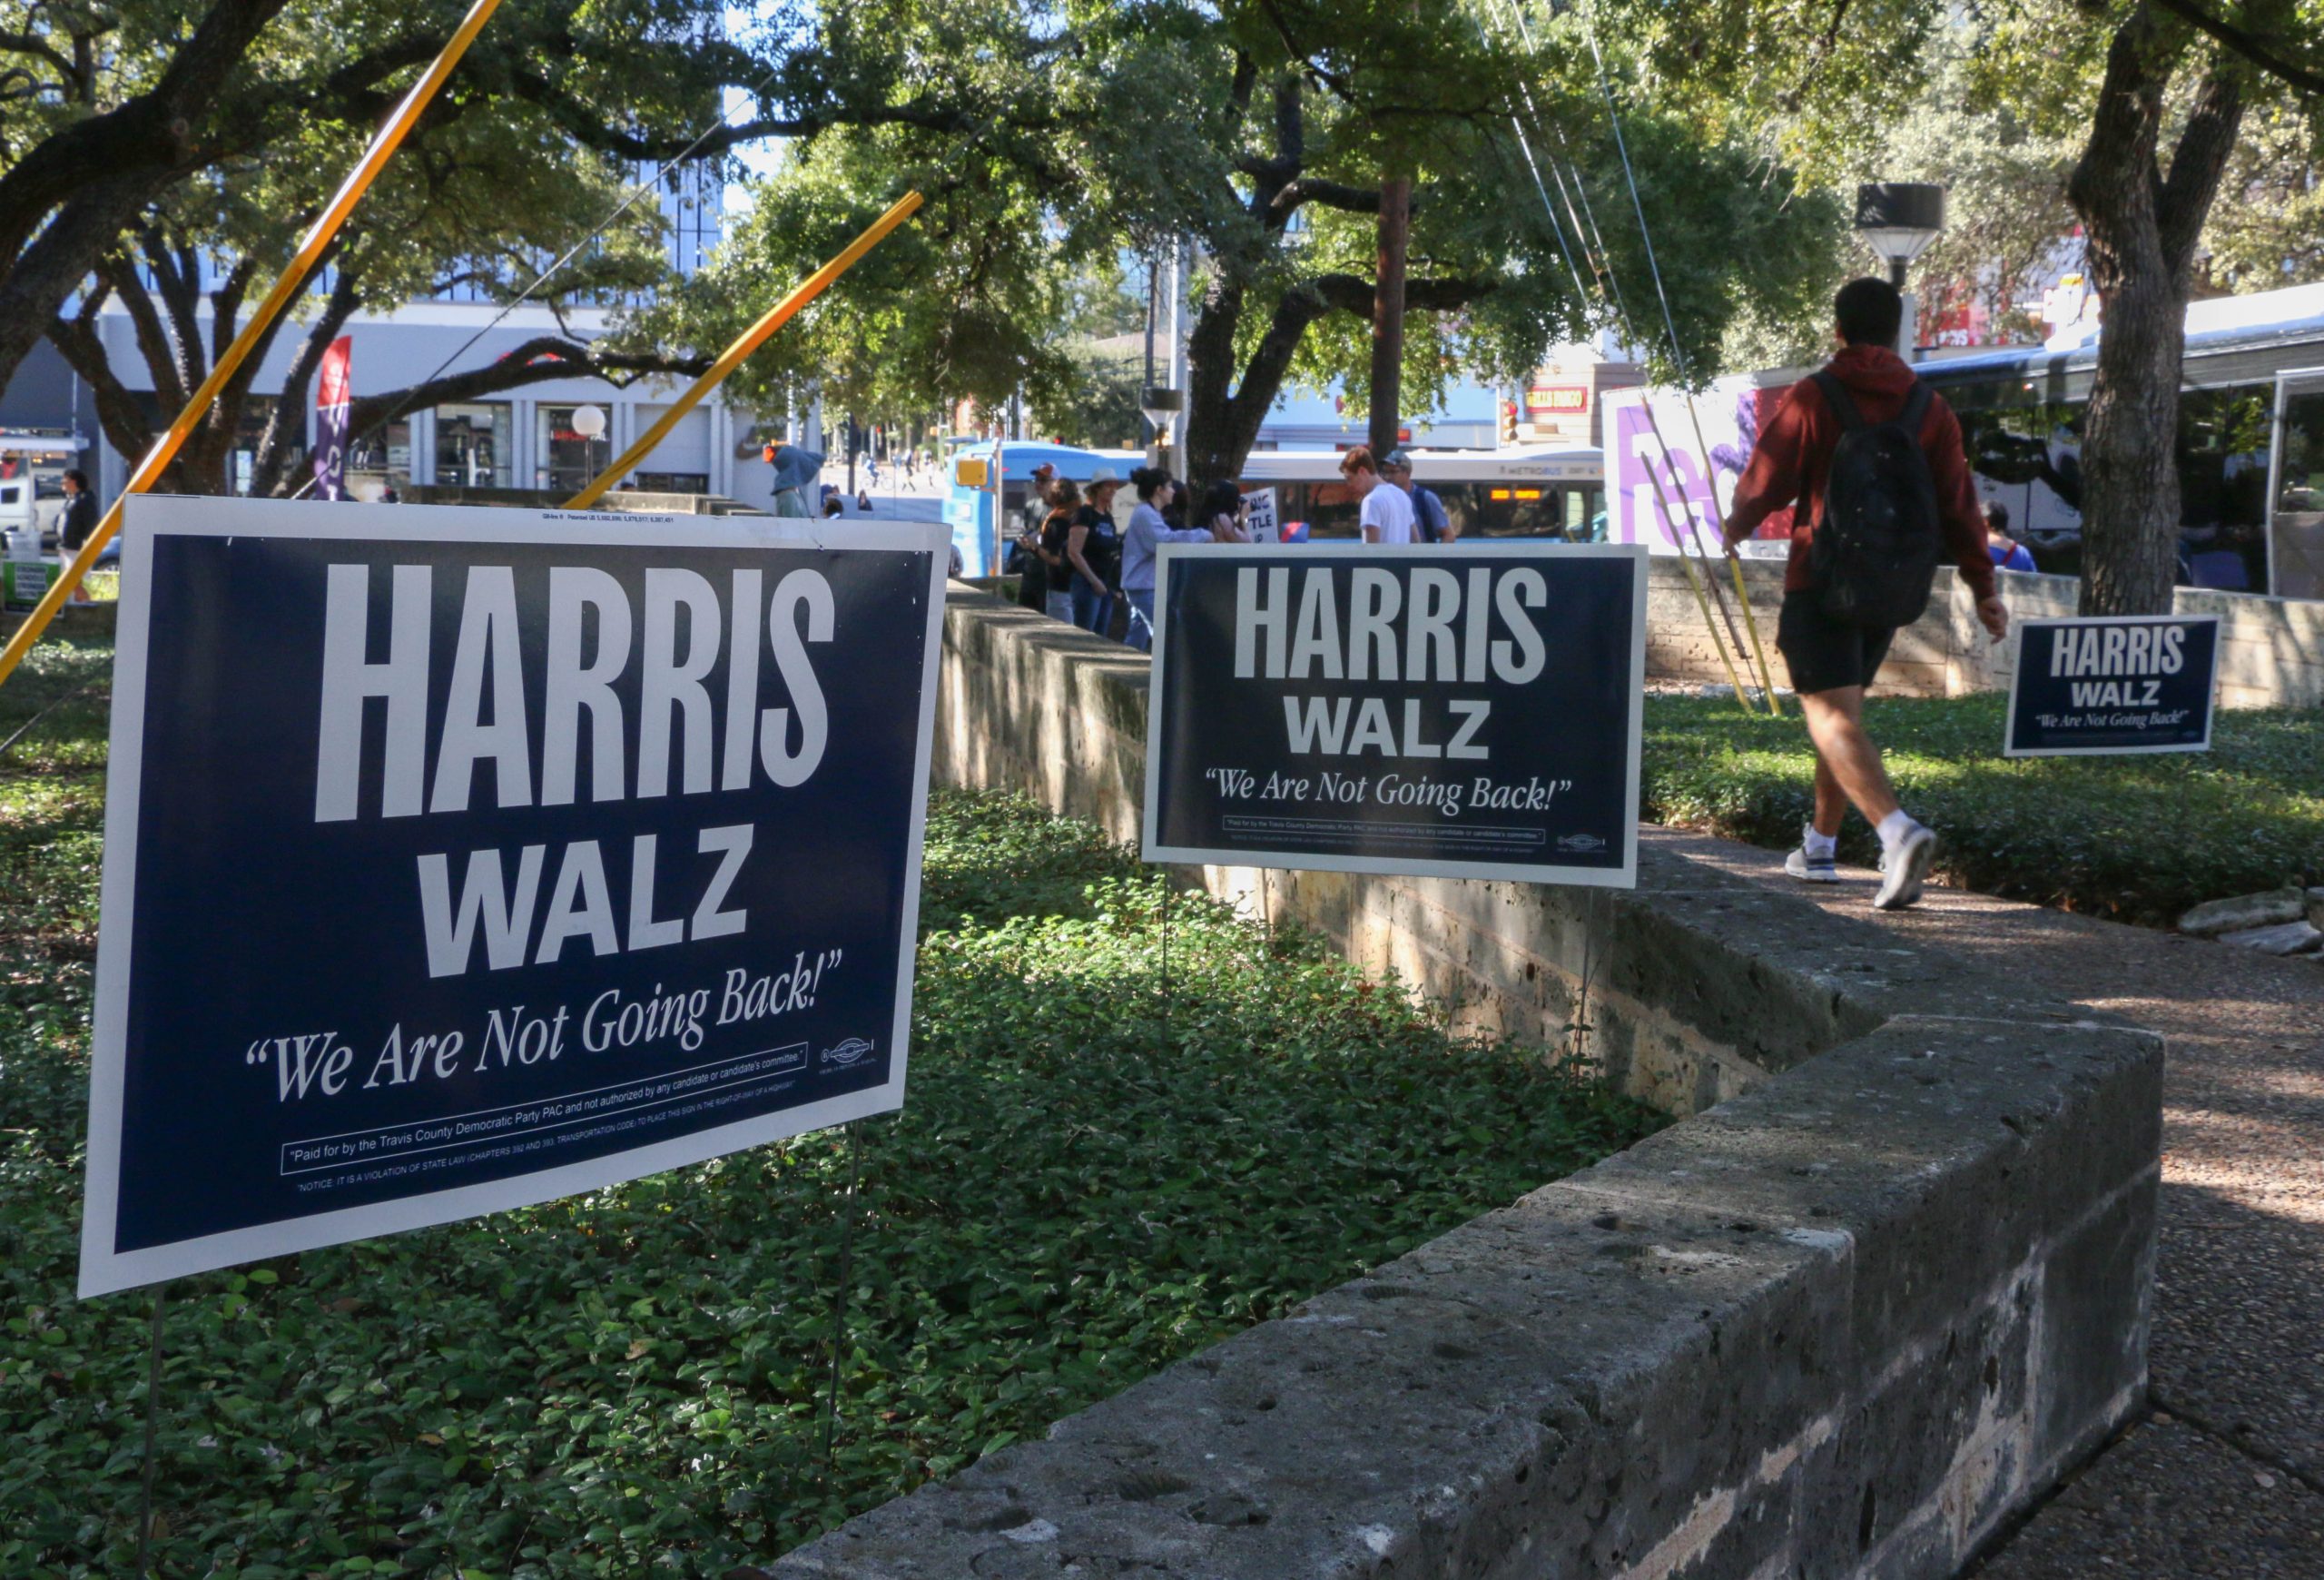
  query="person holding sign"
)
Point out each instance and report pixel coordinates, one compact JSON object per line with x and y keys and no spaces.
{"x":1386,"y":514}
{"x":1226,"y":512}
{"x":1875,"y":460}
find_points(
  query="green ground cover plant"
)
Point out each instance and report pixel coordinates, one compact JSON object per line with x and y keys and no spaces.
{"x":2137,"y":838}
{"x":631,"y":1383}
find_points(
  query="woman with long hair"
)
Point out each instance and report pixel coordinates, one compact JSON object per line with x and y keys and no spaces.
{"x":1065,"y":500}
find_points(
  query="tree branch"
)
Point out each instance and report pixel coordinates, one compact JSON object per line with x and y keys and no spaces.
{"x":2257,"y":48}
{"x":543,"y":358}
{"x":1352,"y":293}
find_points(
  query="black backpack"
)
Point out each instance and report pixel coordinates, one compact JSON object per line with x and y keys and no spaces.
{"x":1875,"y":552}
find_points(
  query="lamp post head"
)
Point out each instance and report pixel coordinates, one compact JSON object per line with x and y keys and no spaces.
{"x":1897,"y":220}
{"x":588,"y":422}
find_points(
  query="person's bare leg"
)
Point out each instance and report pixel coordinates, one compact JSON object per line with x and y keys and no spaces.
{"x":1831,"y":802}
{"x":1846,"y":754}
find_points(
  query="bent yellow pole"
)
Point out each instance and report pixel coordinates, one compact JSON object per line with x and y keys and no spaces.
{"x":287,"y":286}
{"x":750,"y":339}
{"x":1735,"y":564}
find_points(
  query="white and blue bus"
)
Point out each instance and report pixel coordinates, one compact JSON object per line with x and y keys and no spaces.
{"x":1537,"y":492}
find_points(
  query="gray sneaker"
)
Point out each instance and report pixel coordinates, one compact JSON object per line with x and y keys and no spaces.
{"x":1810,"y":869}
{"x":1904,"y":870}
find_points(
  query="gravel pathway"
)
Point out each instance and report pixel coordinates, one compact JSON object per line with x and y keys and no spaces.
{"x":2225,"y":1479}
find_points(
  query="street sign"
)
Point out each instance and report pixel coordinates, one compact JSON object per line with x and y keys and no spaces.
{"x":461,"y":859}
{"x":2097,"y":686}
{"x":1471,"y":711}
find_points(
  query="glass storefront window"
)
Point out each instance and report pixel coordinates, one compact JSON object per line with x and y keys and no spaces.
{"x":568,"y":462}
{"x":2297,"y":520}
{"x":472,"y":448}
{"x":382,"y":458}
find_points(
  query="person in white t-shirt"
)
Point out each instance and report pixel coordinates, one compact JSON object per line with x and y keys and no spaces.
{"x":1387,"y":513}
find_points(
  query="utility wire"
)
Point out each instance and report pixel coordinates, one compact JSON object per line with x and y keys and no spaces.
{"x":1609,"y":290}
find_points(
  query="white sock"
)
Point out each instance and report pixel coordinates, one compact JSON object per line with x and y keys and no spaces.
{"x":1895,"y":827}
{"x":1818,"y":846}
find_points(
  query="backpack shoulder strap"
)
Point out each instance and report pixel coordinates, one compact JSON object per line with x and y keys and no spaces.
{"x":1836,"y":397}
{"x":1916,"y":404}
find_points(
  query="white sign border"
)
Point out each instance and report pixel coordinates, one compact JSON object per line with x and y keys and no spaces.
{"x":1625,"y":876}
{"x":2009,"y":747}
{"x":104,"y":1271}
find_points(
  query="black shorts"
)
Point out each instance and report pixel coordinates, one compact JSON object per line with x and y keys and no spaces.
{"x":1826,"y":654}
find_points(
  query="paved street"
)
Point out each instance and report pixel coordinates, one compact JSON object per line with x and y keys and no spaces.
{"x":2224,"y":1477}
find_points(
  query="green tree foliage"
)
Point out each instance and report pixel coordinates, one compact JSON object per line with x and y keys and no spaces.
{"x":1258,"y":133}
{"x":107,"y":107}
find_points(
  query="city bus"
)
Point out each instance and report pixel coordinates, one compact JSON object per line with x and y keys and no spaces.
{"x":1539,"y":491}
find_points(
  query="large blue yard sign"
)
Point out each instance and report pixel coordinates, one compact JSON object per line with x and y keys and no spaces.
{"x":1470,"y":710}
{"x":460,"y":859}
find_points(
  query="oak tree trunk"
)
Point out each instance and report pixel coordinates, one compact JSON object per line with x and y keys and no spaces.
{"x":2142,"y":226}
{"x":1387,"y":402}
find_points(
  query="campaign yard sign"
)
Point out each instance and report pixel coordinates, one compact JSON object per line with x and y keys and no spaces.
{"x":2103,"y":684}
{"x":458,"y":859}
{"x":1463,"y":711}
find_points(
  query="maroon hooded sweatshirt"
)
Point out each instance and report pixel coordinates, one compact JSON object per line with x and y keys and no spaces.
{"x":1794,"y":457}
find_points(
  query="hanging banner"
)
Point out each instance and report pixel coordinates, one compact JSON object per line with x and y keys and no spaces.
{"x":461,"y":859}
{"x":1471,"y":711}
{"x":333,"y":391}
{"x":2107,"y":685}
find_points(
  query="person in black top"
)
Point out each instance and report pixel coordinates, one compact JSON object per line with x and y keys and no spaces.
{"x":80,"y":517}
{"x":1025,"y":556}
{"x":1095,"y":548}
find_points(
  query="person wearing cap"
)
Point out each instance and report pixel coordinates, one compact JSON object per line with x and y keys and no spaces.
{"x":1385,"y":514}
{"x":1094,"y":547}
{"x":1431,"y":523}
{"x":1033,"y":570}
{"x":794,"y":474}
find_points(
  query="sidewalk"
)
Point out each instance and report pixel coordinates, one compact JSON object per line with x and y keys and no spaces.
{"x":2224,"y":1477}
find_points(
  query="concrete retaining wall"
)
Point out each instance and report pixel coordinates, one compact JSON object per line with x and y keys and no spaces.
{"x":1842,"y":1323}
{"x":2271,"y":653}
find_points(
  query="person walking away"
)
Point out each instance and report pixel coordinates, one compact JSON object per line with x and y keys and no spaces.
{"x":1095,"y":547}
{"x":1057,"y":532}
{"x":1385,"y":514}
{"x":1431,"y":523}
{"x":1147,"y":531}
{"x":1874,"y":458}
{"x":2008,"y":554}
{"x":1226,"y":512}
{"x":794,"y":474}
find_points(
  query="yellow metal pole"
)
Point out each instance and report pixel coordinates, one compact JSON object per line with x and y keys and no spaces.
{"x":287,"y":286}
{"x":1735,"y":564}
{"x":781,"y":313}
{"x":1702,"y":601}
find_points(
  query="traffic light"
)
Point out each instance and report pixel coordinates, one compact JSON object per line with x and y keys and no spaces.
{"x":1509,"y":422}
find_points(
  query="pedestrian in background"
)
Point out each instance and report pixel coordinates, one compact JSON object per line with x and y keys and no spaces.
{"x":795,"y":470}
{"x":1057,"y":532}
{"x":1385,"y":514}
{"x":1148,"y":530}
{"x":79,"y":518}
{"x":2007,"y":552}
{"x":1430,"y":521}
{"x":1095,"y":547}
